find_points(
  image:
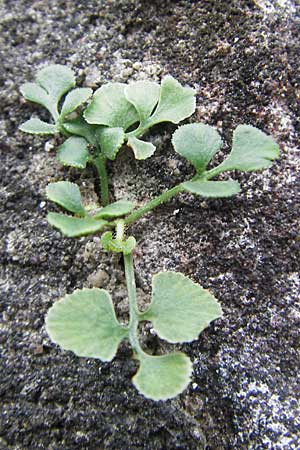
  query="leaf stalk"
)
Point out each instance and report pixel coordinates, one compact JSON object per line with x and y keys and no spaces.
{"x":162,"y":198}
{"x":100,"y":164}
{"x":133,"y":308}
{"x":213,"y":172}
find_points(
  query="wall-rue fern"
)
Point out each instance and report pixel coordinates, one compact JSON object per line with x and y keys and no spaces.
{"x":116,"y":114}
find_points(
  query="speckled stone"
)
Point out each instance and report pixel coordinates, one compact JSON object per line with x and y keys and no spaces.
{"x":242,"y":57}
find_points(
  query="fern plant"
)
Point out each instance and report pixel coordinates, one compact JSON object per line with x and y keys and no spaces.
{"x":85,"y":321}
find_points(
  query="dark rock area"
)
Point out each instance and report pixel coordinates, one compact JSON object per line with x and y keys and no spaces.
{"x":242,"y":57}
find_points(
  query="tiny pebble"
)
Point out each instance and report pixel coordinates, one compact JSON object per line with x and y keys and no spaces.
{"x":99,"y":278}
{"x":136,"y":65}
{"x":38,"y":350}
{"x":49,"y":146}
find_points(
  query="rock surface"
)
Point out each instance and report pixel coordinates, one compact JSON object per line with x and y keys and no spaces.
{"x":242,"y":57}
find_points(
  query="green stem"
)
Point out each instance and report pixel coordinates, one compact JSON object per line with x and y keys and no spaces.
{"x":133,"y":309}
{"x":214,"y":172}
{"x":164,"y":197}
{"x":54,"y":113}
{"x":139,"y":131}
{"x":100,"y":164}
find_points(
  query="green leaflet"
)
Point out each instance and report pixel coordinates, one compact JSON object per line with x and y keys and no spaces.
{"x":35,"y":93}
{"x":180,"y":309}
{"x":74,"y":99}
{"x":110,"y":107}
{"x":111,"y":244}
{"x":85,"y":323}
{"x":52,"y":83}
{"x":198,"y":143}
{"x":37,"y":126}
{"x":162,"y":377}
{"x":67,"y":195}
{"x":214,"y":189}
{"x":81,"y":128}
{"x":116,"y":209}
{"x":141,"y":149}
{"x":75,"y":226}
{"x":74,"y":152}
{"x":119,"y":106}
{"x":110,"y":140}
{"x":56,"y":80}
{"x":175,"y":102}
{"x":251,"y":150}
{"x":144,"y":96}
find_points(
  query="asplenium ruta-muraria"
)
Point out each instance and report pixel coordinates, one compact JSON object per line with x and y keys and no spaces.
{"x":85,"y":321}
{"x":98,"y":133}
{"x":141,"y":105}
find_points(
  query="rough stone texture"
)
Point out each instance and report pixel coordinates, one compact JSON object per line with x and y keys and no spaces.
{"x":243,"y":59}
